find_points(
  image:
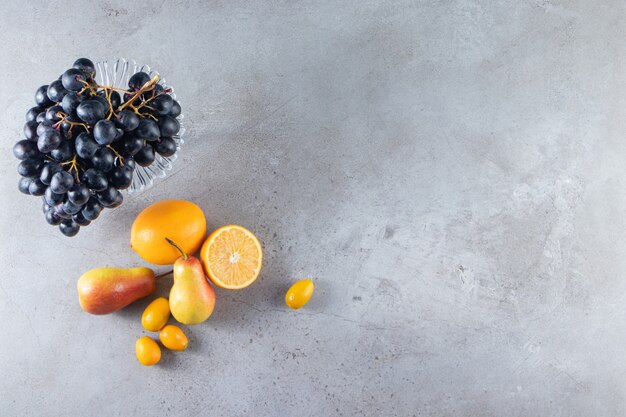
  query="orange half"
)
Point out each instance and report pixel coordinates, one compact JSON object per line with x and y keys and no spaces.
{"x":232,"y":257}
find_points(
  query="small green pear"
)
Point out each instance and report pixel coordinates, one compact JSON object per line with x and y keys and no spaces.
{"x":191,"y":298}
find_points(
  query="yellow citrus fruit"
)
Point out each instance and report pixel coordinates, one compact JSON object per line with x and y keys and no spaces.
{"x":232,"y":257}
{"x":299,"y":293}
{"x":173,"y":338}
{"x":155,"y":316}
{"x":148,"y":351}
{"x":181,"y":221}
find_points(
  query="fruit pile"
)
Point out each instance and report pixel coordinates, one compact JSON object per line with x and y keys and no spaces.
{"x":169,"y":232}
{"x":83,"y":141}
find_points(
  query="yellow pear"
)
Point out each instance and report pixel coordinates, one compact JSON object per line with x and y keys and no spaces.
{"x":191,"y":298}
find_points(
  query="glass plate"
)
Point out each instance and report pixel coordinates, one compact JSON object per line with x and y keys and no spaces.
{"x":116,"y":73}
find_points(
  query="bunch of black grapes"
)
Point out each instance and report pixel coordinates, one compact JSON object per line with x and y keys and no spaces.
{"x":83,"y":142}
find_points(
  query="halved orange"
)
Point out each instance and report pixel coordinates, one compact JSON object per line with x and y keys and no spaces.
{"x":232,"y":257}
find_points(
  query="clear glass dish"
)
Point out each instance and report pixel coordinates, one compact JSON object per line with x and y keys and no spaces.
{"x":116,"y":73}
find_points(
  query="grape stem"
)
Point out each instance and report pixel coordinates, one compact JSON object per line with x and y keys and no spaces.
{"x":140,"y":114}
{"x":73,"y":163}
{"x":148,"y":101}
{"x":89,"y":86}
{"x":107,"y":95}
{"x":147,"y":86}
{"x":116,"y":154}
{"x":108,"y":87}
{"x":63,"y":117}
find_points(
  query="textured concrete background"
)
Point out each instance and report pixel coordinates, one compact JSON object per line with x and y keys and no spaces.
{"x":451,"y":174}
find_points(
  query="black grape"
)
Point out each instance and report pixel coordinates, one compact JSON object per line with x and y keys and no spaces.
{"x":32,"y":113}
{"x":50,"y":139}
{"x":52,"y":114}
{"x":61,"y":182}
{"x":92,"y":209}
{"x":26,"y":149}
{"x":162,"y":104}
{"x":24,"y":184}
{"x":30,"y":130}
{"x":78,"y":194}
{"x":145,"y":156}
{"x":104,"y":132}
{"x":138,"y":80}
{"x":127,"y":120}
{"x":90,"y":111}
{"x":165,"y":146}
{"x":103,"y":101}
{"x":51,"y":198}
{"x":58,"y":209}
{"x":176,"y":110}
{"x":107,"y":196}
{"x":64,"y":152}
{"x":56,"y":91}
{"x":70,"y":102}
{"x":80,"y":219}
{"x":95,"y":180}
{"x":148,"y":130}
{"x":130,"y":146}
{"x":52,"y":218}
{"x":103,"y":160}
{"x":86,"y":66}
{"x":73,"y":80}
{"x":86,"y":146}
{"x":48,"y":171}
{"x":69,"y":228}
{"x":71,"y":208}
{"x":115,"y":98}
{"x":169,"y":126}
{"x":121,"y":177}
{"x":130,"y":162}
{"x":37,"y":187}
{"x":30,"y":167}
{"x":41,"y":96}
{"x":42,"y":127}
{"x":119,"y":199}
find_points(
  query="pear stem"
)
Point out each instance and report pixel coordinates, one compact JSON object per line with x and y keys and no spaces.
{"x":177,"y":247}
{"x":164,"y":274}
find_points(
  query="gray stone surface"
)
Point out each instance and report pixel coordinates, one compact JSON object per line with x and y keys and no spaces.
{"x":450,"y":173}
